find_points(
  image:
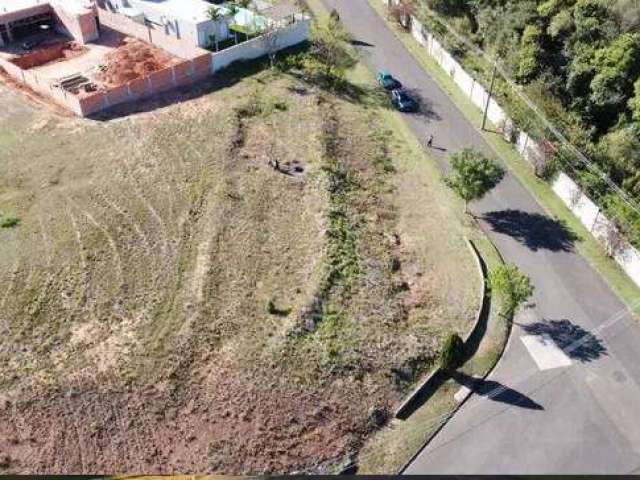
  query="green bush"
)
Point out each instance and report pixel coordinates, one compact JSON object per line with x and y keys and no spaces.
{"x":9,"y":221}
{"x":452,"y":352}
{"x":513,"y":284}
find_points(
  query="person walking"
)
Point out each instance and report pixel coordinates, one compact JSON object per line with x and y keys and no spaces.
{"x":430,"y":141}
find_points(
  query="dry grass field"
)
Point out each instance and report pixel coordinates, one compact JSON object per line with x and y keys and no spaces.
{"x":171,"y":303}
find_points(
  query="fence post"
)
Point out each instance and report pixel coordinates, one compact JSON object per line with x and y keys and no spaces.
{"x":486,"y":109}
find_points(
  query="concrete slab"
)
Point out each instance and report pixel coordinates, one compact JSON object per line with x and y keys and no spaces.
{"x":461,"y":394}
{"x":545,"y":352}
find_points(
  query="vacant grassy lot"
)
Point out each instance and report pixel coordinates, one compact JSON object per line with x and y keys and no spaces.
{"x":170,"y":302}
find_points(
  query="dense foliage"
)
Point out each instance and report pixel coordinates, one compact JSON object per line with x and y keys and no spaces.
{"x":472,"y":175}
{"x":580,"y":61}
{"x":514,"y":285}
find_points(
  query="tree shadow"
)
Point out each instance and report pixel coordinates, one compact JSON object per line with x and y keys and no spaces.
{"x":496,"y":391}
{"x":425,"y":106}
{"x":360,"y":43}
{"x":536,"y":231}
{"x":578,"y":343}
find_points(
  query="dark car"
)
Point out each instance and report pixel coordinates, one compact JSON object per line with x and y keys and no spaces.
{"x":386,"y":81}
{"x":403,"y":101}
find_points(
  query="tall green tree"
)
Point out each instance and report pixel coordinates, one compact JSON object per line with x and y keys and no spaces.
{"x":473,"y":175}
{"x":531,"y":53}
{"x":617,"y":66}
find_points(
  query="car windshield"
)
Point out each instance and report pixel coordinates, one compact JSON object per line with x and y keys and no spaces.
{"x":403,"y":97}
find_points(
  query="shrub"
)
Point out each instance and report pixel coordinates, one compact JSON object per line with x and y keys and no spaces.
{"x":514,"y":285}
{"x":271,"y":307}
{"x":452,"y":352}
{"x":9,"y":221}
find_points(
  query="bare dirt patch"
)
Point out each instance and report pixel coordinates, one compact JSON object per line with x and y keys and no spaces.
{"x":58,"y":52}
{"x":134,"y":59}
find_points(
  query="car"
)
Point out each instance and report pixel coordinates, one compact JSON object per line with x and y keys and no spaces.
{"x":403,"y":101}
{"x":386,"y":81}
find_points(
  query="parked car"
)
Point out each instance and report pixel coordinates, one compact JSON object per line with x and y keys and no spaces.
{"x":403,"y":101}
{"x":386,"y":81}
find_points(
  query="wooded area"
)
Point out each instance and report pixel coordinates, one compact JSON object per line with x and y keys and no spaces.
{"x":579,"y":60}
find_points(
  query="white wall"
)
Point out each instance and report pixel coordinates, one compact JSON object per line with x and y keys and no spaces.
{"x":287,"y":37}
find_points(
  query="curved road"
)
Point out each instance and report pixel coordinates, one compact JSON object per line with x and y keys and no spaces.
{"x":565,"y":397}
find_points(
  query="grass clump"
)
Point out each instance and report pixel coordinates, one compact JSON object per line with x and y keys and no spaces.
{"x":9,"y":221}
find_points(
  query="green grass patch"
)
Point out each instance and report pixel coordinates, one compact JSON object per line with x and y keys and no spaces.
{"x":9,"y":221}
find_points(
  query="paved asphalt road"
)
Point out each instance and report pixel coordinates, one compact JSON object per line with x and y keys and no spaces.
{"x":574,"y":412}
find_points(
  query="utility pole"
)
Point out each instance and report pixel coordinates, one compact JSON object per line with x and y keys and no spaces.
{"x":493,"y":79}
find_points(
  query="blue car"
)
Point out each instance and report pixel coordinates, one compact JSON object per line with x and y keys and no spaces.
{"x":386,"y":81}
{"x":403,"y":101}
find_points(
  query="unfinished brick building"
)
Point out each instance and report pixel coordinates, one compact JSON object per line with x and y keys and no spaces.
{"x":88,"y":57}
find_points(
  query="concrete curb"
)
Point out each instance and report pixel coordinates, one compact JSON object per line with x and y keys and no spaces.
{"x":436,"y":377}
{"x":469,"y":393}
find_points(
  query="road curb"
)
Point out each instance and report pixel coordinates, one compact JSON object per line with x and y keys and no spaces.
{"x":423,"y":391}
{"x":483,"y":377}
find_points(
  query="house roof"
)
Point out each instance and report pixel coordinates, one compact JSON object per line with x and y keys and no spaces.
{"x":188,"y":10}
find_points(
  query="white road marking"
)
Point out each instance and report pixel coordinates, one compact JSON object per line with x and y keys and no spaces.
{"x":545,"y":352}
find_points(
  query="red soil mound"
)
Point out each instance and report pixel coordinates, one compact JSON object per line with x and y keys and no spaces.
{"x":134,"y":59}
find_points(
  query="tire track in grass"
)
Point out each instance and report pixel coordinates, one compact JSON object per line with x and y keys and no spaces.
{"x":128,"y":170}
{"x":82,"y":301}
{"x":116,"y":255}
{"x":128,"y":217}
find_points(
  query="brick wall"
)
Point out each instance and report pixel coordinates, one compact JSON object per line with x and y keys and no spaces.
{"x":182,"y":74}
{"x":42,"y":86}
{"x":40,"y":57}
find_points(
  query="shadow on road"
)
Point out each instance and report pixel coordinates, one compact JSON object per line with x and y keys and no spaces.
{"x":360,"y":43}
{"x":496,"y":391}
{"x":536,"y":231}
{"x":425,"y":106}
{"x":578,"y":343}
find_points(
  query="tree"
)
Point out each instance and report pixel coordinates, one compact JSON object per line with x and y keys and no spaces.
{"x":530,"y":54}
{"x":232,"y":9}
{"x":634,"y":103}
{"x":473,"y":175}
{"x":617,"y":67}
{"x":514,"y":285}
{"x":329,"y":47}
{"x":270,"y":41}
{"x":214,"y":14}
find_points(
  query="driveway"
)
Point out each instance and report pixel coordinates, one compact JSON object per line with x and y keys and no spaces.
{"x":565,"y":396}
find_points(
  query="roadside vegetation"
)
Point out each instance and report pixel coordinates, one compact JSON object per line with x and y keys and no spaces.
{"x":243,"y":282}
{"x":537,"y":186}
{"x":579,"y":61}
{"x":473,"y":175}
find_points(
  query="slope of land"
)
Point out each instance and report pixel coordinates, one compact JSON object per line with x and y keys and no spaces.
{"x":171,"y":302}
